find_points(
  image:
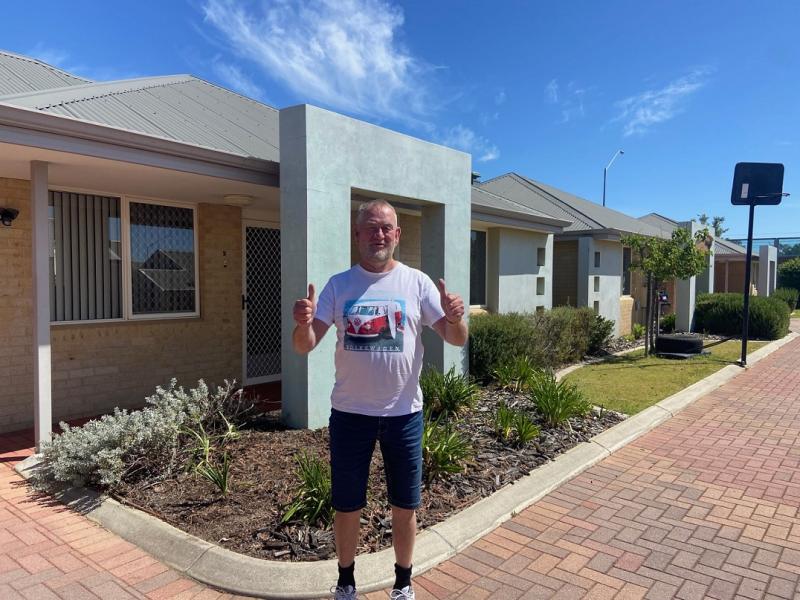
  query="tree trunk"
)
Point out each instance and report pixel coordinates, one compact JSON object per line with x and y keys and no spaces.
{"x":648,"y":313}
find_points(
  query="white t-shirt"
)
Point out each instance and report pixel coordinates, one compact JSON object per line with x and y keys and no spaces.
{"x":379,"y":319}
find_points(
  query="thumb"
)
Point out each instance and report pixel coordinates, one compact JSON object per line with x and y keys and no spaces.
{"x":311,"y":292}
{"x":442,"y":287}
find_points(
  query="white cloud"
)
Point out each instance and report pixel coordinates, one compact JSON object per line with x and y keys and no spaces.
{"x":500,"y":97}
{"x":232,"y":76}
{"x":641,"y":112}
{"x":52,"y":56}
{"x":463,"y":138}
{"x":342,"y":53}
{"x":551,"y":91}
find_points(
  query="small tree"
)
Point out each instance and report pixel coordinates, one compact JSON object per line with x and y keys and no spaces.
{"x":789,"y":274}
{"x":716,"y":224}
{"x":680,"y":257}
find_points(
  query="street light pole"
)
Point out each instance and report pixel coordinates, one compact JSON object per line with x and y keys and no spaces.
{"x":605,"y":172}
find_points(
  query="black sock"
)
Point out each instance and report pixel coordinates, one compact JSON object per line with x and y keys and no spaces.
{"x":402,"y":576}
{"x":346,"y":576}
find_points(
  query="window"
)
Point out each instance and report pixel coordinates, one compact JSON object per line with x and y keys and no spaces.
{"x":626,"y":271}
{"x":596,"y":283}
{"x":540,"y":257}
{"x":596,"y":260}
{"x":89,"y":265}
{"x":540,"y":286}
{"x":477,"y":268}
{"x":162,"y":259}
{"x":85,"y":257}
{"x":597,"y":307}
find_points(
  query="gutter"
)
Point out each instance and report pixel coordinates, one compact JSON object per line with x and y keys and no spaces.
{"x":27,"y":127}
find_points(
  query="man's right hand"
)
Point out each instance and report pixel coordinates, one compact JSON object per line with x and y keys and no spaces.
{"x":304,"y":308}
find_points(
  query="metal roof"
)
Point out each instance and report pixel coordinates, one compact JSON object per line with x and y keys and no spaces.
{"x":20,"y":74}
{"x":177,"y":107}
{"x":724,"y":247}
{"x":485,"y":199}
{"x":585,"y":216}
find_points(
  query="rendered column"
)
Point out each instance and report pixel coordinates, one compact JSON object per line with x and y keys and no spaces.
{"x":767,"y":268}
{"x":445,"y":243}
{"x":585,"y":262}
{"x":686,"y":292}
{"x":315,"y":244}
{"x":42,"y":386}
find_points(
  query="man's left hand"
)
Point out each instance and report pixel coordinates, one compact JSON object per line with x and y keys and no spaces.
{"x":452,"y":304}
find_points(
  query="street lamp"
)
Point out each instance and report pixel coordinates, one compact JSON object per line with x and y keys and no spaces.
{"x":605,"y":171}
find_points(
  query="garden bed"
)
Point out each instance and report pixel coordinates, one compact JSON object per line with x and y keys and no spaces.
{"x":263,"y":480}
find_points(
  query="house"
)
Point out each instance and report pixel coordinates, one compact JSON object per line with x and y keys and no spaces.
{"x":730,"y":268}
{"x":165,"y":222}
{"x":590,"y":264}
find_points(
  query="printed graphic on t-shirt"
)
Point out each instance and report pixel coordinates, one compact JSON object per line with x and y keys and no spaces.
{"x":374,"y":325}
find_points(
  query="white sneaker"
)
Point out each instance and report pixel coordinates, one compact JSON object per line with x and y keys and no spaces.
{"x":347,"y":592}
{"x":407,"y":593}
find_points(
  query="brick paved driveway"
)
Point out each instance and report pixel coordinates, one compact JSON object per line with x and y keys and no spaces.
{"x":703,"y":506}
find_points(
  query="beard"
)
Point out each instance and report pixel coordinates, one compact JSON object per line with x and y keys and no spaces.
{"x":380,"y":254}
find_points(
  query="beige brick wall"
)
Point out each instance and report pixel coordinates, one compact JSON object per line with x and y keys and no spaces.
{"x":565,"y":273}
{"x":16,"y":312}
{"x":626,"y":314}
{"x":97,"y":366}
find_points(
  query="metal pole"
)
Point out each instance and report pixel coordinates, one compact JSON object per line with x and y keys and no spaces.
{"x":605,"y":170}
{"x":746,"y":311}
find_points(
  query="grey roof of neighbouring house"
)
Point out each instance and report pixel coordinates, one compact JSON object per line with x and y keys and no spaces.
{"x":484,"y":199}
{"x":585,"y":216}
{"x":182,"y":108}
{"x":19,"y":74}
{"x":731,"y":249}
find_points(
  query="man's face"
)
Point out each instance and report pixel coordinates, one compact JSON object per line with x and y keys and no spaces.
{"x":377,"y":234}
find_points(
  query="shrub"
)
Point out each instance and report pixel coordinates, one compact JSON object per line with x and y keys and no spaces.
{"x":503,"y":421}
{"x":557,"y":401}
{"x":722,"y":314}
{"x":444,"y":450}
{"x":312,"y":503}
{"x":600,"y":334}
{"x":667,"y":324}
{"x":515,"y":375}
{"x":548,"y":339}
{"x":106,"y":450}
{"x":789,"y":274}
{"x":447,"y":394}
{"x":788,"y":295}
{"x":637,"y":331}
{"x":525,"y":429}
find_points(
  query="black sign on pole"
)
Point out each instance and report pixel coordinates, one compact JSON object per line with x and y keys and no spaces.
{"x":754,"y":184}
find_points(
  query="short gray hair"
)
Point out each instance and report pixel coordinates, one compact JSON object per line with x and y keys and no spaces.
{"x":365,"y":207}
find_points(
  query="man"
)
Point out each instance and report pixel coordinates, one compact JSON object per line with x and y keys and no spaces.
{"x":379,"y":307}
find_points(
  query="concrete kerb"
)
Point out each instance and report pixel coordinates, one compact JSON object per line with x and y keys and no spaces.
{"x":240,"y":574}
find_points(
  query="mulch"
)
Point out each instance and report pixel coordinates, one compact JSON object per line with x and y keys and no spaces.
{"x":248,"y":519}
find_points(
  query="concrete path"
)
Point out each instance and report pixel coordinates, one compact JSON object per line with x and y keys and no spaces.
{"x":703,"y":506}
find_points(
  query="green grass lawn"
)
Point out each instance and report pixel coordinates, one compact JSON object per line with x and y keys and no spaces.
{"x":796,"y":314}
{"x":631,"y":383}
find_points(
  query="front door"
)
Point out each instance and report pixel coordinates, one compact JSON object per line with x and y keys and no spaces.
{"x":261,"y":302}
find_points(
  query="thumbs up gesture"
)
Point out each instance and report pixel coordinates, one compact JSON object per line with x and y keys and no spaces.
{"x":304,"y":308}
{"x":452,"y":304}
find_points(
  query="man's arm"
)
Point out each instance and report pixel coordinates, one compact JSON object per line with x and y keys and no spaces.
{"x":308,"y":331}
{"x":451,"y":327}
{"x":452,"y":333}
{"x":306,"y":337}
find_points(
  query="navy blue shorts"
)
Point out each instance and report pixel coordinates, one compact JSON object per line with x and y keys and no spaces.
{"x":353,"y":440}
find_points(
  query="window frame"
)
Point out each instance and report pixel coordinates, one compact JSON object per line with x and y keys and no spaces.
{"x":126,"y":286}
{"x":485,"y":304}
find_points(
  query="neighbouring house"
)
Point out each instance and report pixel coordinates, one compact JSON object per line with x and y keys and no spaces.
{"x":590,"y":264}
{"x":164,"y":224}
{"x":730,"y":268}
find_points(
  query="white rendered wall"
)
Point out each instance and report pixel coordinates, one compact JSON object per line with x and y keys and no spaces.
{"x":517,"y":272}
{"x":609,"y":273}
{"x":768,"y":270}
{"x":686,"y":292}
{"x":324,"y":157}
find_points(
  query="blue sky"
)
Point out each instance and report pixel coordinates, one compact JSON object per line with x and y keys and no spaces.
{"x":547,"y":89}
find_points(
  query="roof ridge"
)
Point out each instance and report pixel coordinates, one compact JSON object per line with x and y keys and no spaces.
{"x":109,"y":88}
{"x":538,"y":212}
{"x":551,"y":198}
{"x":235,"y":93}
{"x":44,"y":64}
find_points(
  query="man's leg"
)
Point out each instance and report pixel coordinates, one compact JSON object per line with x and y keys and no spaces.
{"x":345,"y":530}
{"x":404,"y":532}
